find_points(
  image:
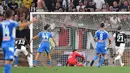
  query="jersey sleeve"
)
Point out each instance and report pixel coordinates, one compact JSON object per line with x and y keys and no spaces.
{"x":95,"y":36}
{"x":15,"y":24}
{"x":50,"y":35}
{"x":40,"y":34}
{"x":107,"y":35}
{"x":79,"y":55}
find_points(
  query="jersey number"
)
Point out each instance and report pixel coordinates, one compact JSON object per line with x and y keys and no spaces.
{"x":21,"y":42}
{"x":6,"y":32}
{"x":101,"y":36}
{"x":45,"y":37}
{"x":120,"y":38}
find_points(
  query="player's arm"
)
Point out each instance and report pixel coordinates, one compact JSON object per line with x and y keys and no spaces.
{"x":54,"y":41}
{"x":108,"y":38}
{"x":35,"y":37}
{"x":27,"y":23}
{"x":109,"y":41}
{"x":95,"y":37}
{"x":79,"y":55}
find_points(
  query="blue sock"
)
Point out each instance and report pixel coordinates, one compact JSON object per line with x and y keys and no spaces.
{"x":16,"y":60}
{"x":35,"y":62}
{"x":95,"y":58}
{"x":49,"y":63}
{"x":7,"y":68}
{"x":101,"y":61}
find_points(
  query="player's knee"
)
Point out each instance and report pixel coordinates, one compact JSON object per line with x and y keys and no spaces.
{"x":120,"y":54}
{"x":8,"y":61}
{"x":103,"y":54}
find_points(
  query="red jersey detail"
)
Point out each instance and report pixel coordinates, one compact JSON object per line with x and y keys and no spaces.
{"x":72,"y":58}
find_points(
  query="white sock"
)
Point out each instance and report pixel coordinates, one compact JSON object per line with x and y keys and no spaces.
{"x":120,"y":60}
{"x":30,"y":60}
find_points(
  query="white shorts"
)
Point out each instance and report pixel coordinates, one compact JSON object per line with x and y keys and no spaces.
{"x":120,"y":49}
{"x":23,"y":49}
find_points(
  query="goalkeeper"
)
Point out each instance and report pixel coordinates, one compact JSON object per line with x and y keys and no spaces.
{"x":72,"y":61}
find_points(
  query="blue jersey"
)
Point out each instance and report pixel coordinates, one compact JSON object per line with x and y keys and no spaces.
{"x":45,"y":43}
{"x":101,"y":36}
{"x":45,"y":36}
{"x":7,"y":28}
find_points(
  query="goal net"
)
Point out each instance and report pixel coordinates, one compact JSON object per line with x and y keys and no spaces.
{"x":76,"y":31}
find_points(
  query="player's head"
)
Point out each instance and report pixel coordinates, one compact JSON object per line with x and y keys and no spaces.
{"x":102,"y":25}
{"x":8,"y":13}
{"x":74,"y":50}
{"x":119,"y":28}
{"x":46,"y":27}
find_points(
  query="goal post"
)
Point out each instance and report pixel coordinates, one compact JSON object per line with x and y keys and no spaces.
{"x":75,"y":30}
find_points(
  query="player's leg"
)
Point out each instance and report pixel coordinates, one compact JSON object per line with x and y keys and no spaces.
{"x":17,"y":51}
{"x":79,"y":64}
{"x":28,"y":56}
{"x":120,"y":54}
{"x":48,"y":55}
{"x":121,"y":50}
{"x":9,"y":56}
{"x":101,"y":61}
{"x":96,"y":56}
{"x":39,"y":51}
{"x":103,"y":50}
{"x":72,"y":62}
{"x":36,"y":58}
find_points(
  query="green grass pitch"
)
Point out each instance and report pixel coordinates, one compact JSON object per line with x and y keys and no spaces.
{"x":107,"y":69}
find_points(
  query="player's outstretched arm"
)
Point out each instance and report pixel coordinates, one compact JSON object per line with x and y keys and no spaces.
{"x":54,"y":42}
{"x":35,"y":37}
{"x":109,"y":41}
{"x":27,"y":23}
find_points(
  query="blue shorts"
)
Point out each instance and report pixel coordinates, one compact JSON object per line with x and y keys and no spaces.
{"x":101,"y":48}
{"x":8,"y":49}
{"x":44,"y":47}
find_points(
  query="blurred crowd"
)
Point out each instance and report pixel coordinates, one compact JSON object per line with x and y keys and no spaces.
{"x":23,"y":7}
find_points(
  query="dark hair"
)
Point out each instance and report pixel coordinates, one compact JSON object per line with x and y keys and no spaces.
{"x":46,"y":26}
{"x":74,"y":50}
{"x":119,"y":28}
{"x":102,"y":25}
{"x":8,"y":13}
